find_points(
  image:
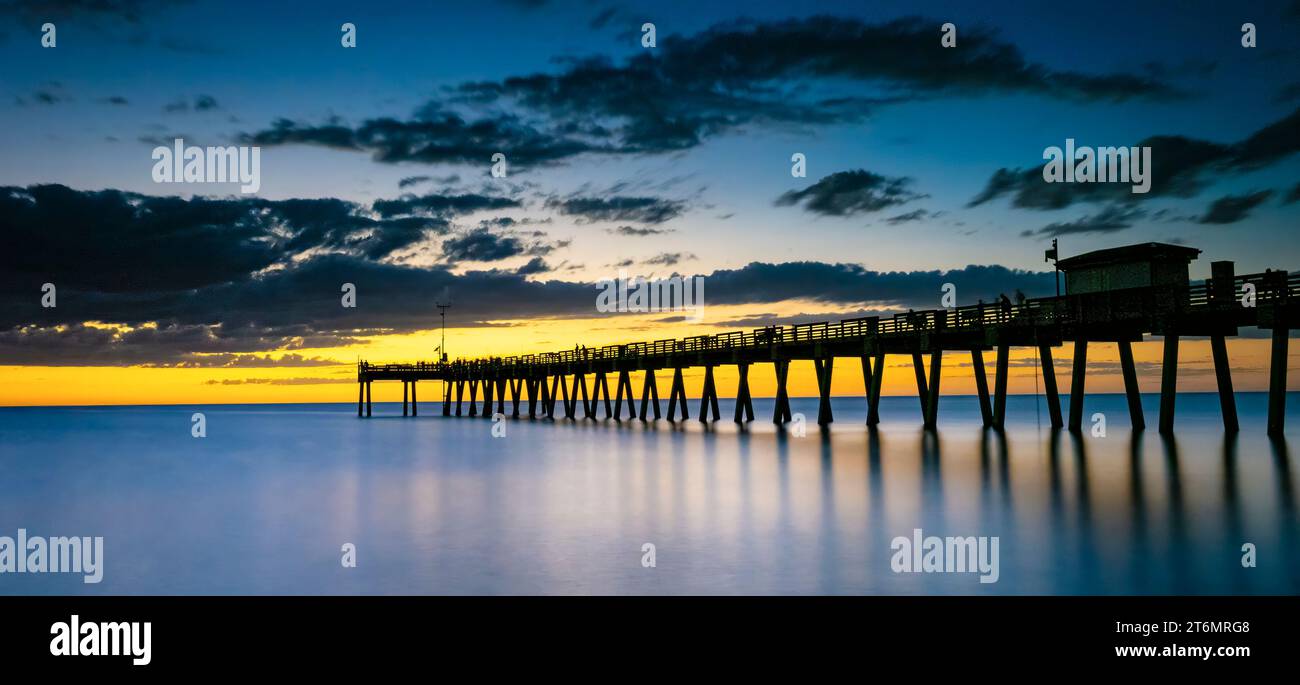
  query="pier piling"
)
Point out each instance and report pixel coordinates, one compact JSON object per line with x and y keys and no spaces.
{"x":1049,"y":385}
{"x":982,"y":386}
{"x":1168,"y":382}
{"x":1077,"y":379}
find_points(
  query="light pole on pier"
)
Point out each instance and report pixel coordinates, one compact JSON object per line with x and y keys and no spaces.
{"x":442,"y":313}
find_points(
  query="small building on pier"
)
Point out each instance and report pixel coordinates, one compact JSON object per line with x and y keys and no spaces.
{"x":1132,"y":266}
{"x":1118,"y":293}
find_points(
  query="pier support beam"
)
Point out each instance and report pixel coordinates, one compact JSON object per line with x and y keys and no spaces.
{"x":473,"y":399}
{"x":932,"y":392}
{"x":599,"y":389}
{"x":1077,"y":384}
{"x":1277,"y":379}
{"x":569,"y":404}
{"x":557,"y":384}
{"x":709,"y":396}
{"x":982,"y":387}
{"x":624,"y":390}
{"x":649,"y":393}
{"x":744,"y":404}
{"x":588,"y":403}
{"x":1049,"y":385}
{"x":873,"y":397}
{"x":405,"y":389}
{"x":515,"y":384}
{"x":368,"y":407}
{"x":1129,"y":371}
{"x":487,"y":398}
{"x":1000,"y":387}
{"x":1168,"y":382}
{"x":460,"y":395}
{"x":414,"y":411}
{"x":361,"y":399}
{"x":1223,"y":373}
{"x":677,"y":394}
{"x":446,"y":398}
{"x":781,"y":410}
{"x":548,"y":401}
{"x":866,"y":381}
{"x":823,"y":369}
{"x":918,"y":365}
{"x":501,"y":397}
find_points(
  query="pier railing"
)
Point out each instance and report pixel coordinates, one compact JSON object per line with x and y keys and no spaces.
{"x":1269,"y":287}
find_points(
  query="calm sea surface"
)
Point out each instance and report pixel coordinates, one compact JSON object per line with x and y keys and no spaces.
{"x":438,"y":505}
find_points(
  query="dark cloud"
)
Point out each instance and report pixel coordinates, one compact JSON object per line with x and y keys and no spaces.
{"x":441,"y":205}
{"x":435,"y":137}
{"x":1233,"y":208}
{"x":481,"y":245}
{"x":409,"y":181}
{"x":818,"y":70}
{"x":648,"y":210}
{"x":908,"y":217}
{"x":638,"y":231}
{"x":845,"y":193}
{"x":669,"y":258}
{"x":115,"y":100}
{"x":126,"y":10}
{"x":536,"y":265}
{"x":737,"y":73}
{"x":1110,"y":220}
{"x":146,"y":244}
{"x":1181,"y":167}
{"x":1293,"y":196}
{"x":853,"y":284}
{"x":603,"y":17}
{"x":201,"y":103}
{"x":220,"y":283}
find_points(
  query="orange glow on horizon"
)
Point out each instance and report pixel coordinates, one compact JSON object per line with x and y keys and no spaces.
{"x":138,"y":385}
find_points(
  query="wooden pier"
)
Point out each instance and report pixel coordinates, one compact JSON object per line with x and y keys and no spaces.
{"x":1118,"y":295}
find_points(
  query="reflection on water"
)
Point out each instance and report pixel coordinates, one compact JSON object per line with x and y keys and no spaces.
{"x":437,"y":505}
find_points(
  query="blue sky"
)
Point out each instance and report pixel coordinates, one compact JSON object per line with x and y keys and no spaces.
{"x":1144,"y":69}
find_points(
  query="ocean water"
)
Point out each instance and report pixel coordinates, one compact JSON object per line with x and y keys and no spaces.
{"x":434,"y":505}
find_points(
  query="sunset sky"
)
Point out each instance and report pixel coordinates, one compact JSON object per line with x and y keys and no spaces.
{"x":922,"y":169}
